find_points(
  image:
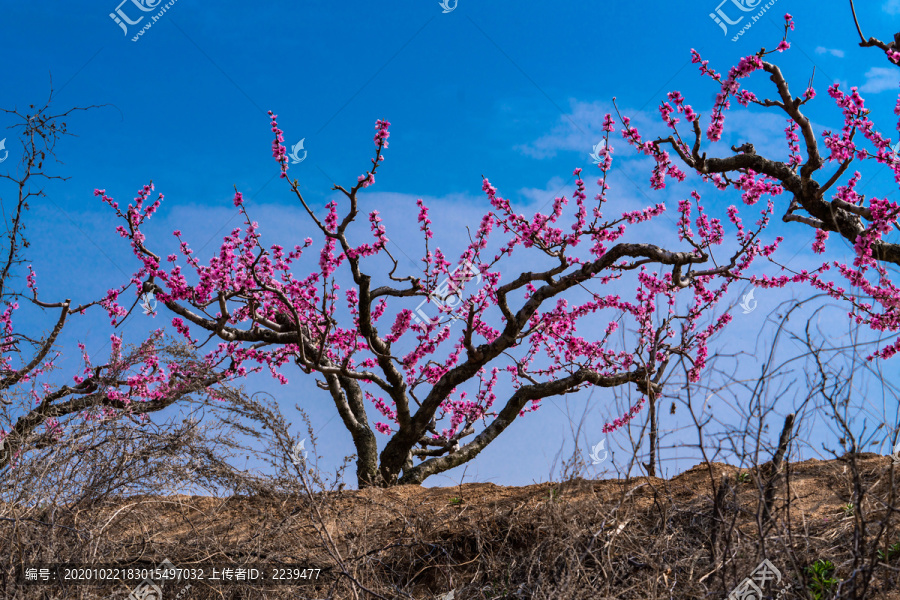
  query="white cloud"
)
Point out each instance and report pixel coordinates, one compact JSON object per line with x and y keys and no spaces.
{"x":891,"y":7}
{"x":764,"y":129}
{"x":879,"y":79}
{"x":555,"y":188}
{"x":581,"y":129}
{"x":835,"y":51}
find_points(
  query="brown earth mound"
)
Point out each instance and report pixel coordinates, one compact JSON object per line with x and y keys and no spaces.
{"x":698,"y":535}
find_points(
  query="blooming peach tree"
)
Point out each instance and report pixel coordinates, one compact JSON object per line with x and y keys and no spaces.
{"x":131,"y":383}
{"x":434,"y":383}
{"x":823,"y":191}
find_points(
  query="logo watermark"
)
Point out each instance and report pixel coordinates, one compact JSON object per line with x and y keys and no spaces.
{"x":445,"y":4}
{"x":748,"y":303}
{"x":5,"y":151}
{"x":595,"y":156}
{"x":723,"y":19}
{"x":123,"y":19}
{"x":895,"y":153}
{"x":751,"y":588}
{"x":299,"y":453}
{"x":595,"y":452}
{"x":295,"y":158}
{"x":4,"y":453}
{"x":449,"y":292}
{"x":149,"y":590}
{"x":895,"y":457}
{"x":148,"y":303}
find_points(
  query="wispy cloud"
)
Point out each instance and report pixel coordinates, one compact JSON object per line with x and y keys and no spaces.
{"x":879,"y":79}
{"x":835,"y":51}
{"x":555,"y":187}
{"x":580,"y":130}
{"x":891,"y":7}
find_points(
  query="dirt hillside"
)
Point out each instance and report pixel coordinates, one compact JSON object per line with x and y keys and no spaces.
{"x":698,"y":535}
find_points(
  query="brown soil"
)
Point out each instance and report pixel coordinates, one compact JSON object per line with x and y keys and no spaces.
{"x":638,"y":538}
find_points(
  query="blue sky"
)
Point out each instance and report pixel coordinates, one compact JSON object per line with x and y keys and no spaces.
{"x":514,"y":91}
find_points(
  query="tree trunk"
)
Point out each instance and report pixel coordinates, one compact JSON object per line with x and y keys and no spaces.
{"x":654,"y":432}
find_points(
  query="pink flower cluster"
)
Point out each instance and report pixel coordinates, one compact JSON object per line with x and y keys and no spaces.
{"x":279,"y":152}
{"x":244,"y":283}
{"x":878,"y":216}
{"x":730,"y":87}
{"x":382,"y":133}
{"x":620,"y":422}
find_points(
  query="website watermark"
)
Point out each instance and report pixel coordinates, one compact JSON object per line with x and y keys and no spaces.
{"x":751,"y":588}
{"x":748,"y":304}
{"x":299,"y":453}
{"x":150,"y":583}
{"x":148,"y":588}
{"x":148,"y":303}
{"x":133,"y":8}
{"x":598,"y":154}
{"x":295,"y":150}
{"x":723,"y":13}
{"x":596,"y":457}
{"x":449,"y":293}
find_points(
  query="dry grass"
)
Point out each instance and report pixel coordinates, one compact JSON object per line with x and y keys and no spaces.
{"x":639,"y":538}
